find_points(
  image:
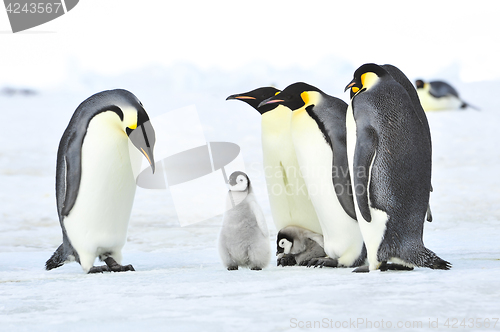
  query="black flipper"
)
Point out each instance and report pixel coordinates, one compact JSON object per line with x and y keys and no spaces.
{"x":366,"y":147}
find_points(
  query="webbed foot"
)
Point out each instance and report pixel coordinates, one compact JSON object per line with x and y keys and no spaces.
{"x":394,"y":267}
{"x":361,"y":269}
{"x":323,"y":262}
{"x":286,"y":260}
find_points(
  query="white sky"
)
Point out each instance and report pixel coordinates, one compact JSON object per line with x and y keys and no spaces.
{"x":112,"y":36}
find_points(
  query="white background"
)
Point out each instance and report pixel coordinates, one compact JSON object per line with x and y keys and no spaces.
{"x":173,"y":54}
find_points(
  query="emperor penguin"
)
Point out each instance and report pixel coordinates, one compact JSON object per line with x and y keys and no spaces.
{"x":439,"y":95}
{"x":95,"y":184}
{"x":244,"y":238}
{"x":389,"y":151}
{"x":318,"y":133}
{"x":297,"y":245}
{"x":288,"y":196}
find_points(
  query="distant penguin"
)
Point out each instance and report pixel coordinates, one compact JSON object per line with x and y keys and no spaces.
{"x":95,"y":184}
{"x":439,"y":95}
{"x":318,"y":132}
{"x":297,"y":245}
{"x":388,"y":143}
{"x":288,"y":195}
{"x":244,"y":238}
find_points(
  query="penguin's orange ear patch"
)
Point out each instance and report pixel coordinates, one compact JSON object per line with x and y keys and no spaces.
{"x":133,"y":126}
{"x":355,"y":89}
{"x":305,"y":97}
{"x":277,"y":93}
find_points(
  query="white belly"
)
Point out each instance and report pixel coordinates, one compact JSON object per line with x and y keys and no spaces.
{"x":373,"y":232}
{"x":342,"y":236}
{"x":99,"y":219}
{"x":288,"y":195}
{"x":429,"y":103}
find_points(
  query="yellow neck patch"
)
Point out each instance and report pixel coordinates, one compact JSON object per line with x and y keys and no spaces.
{"x":305,"y":97}
{"x":369,"y":79}
{"x":133,"y":126}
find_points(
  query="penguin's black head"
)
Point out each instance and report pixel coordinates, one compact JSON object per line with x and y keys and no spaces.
{"x":365,"y":77}
{"x":239,"y":181}
{"x":284,"y":243}
{"x":255,"y":97}
{"x":295,"y":96}
{"x":143,"y":136}
{"x":419,"y":84}
{"x":138,"y":127}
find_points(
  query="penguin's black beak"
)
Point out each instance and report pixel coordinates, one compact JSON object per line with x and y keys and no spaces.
{"x":272,"y":100}
{"x":240,"y":97}
{"x":350,"y":85}
{"x":143,"y":138}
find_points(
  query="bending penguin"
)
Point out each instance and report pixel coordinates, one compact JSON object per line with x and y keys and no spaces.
{"x":288,"y":195}
{"x":389,"y":151}
{"x":318,"y":132}
{"x":95,"y":184}
{"x":297,"y":245}
{"x":244,"y":238}
{"x":439,"y":95}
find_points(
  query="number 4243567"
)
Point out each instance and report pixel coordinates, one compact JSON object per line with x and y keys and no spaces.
{"x":471,"y":323}
{"x":32,"y":8}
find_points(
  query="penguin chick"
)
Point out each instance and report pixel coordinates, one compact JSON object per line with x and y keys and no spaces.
{"x":390,"y":156}
{"x":288,"y":195}
{"x":297,"y":245}
{"x":95,"y":184}
{"x":244,"y":238}
{"x":439,"y":95}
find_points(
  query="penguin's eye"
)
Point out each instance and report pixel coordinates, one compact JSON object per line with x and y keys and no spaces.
{"x":282,"y":243}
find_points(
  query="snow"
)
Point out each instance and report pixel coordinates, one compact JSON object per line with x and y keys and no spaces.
{"x":179,"y":283}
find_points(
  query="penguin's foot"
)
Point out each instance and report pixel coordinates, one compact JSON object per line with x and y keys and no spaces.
{"x":286,"y":260}
{"x":111,"y":266}
{"x":321,"y":262}
{"x":99,"y":269}
{"x":256,"y":268}
{"x":394,"y":267}
{"x":362,"y":269}
{"x":232,"y":268}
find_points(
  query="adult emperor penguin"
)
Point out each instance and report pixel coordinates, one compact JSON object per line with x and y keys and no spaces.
{"x":95,"y":184}
{"x":288,"y":195}
{"x":244,"y":238}
{"x":439,"y":95}
{"x":297,"y":245}
{"x":318,"y":132}
{"x":388,"y":144}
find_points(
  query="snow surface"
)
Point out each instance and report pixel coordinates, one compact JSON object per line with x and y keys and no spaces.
{"x":179,"y":283}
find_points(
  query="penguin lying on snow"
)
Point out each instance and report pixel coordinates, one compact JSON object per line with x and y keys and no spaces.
{"x":95,"y":185}
{"x":439,"y":95}
{"x":297,"y":245}
{"x":244,"y":238}
{"x":389,"y":151}
{"x":288,"y":195}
